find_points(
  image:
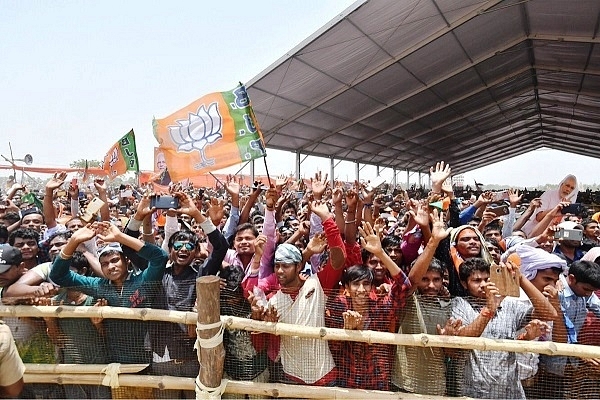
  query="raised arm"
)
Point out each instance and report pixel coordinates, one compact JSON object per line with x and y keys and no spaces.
{"x":54,"y":183}
{"x":100,"y":185}
{"x":438,"y":233}
{"x":369,"y":240}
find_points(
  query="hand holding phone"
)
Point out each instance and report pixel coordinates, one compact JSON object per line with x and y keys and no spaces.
{"x":164,"y":202}
{"x":506,"y":282}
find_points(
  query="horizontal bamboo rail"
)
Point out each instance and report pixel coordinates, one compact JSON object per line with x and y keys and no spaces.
{"x":419,"y":340}
{"x":276,"y":390}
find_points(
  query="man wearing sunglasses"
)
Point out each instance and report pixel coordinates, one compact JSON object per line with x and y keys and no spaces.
{"x":173,"y":347}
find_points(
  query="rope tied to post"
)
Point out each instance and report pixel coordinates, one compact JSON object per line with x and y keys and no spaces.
{"x":112,"y":372}
{"x":211,"y":342}
{"x":206,"y":393}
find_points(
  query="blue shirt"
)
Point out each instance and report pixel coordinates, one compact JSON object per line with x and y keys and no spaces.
{"x":575,"y":309}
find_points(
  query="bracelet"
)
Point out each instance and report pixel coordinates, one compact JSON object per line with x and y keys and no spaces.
{"x":350,"y":222}
{"x":148,"y":234}
{"x":486,"y":313}
{"x":368,"y":205}
{"x":65,"y":256}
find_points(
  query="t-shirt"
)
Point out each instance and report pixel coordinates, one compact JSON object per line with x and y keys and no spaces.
{"x":493,"y":374}
{"x":422,"y":369}
{"x":11,"y":366}
{"x":307,"y":309}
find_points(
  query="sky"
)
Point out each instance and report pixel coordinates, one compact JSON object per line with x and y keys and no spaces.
{"x":75,"y":76}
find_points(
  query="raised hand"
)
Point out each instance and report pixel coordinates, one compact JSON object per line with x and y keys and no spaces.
{"x":320,"y":208}
{"x":438,"y":231}
{"x":84,"y":234}
{"x":271,"y":198}
{"x":216,"y":210}
{"x":106,"y":231}
{"x":319,"y":185}
{"x":317,"y":244}
{"x":369,"y":239}
{"x":337,"y":194}
{"x":232,"y":186}
{"x":447,"y":186}
{"x":281,"y":183}
{"x":351,"y":199}
{"x":514,"y":198}
{"x":186,"y":203}
{"x":438,"y":175}
{"x":100,"y":185}
{"x":143,"y":208}
{"x":56,"y":181}
{"x":259,"y":245}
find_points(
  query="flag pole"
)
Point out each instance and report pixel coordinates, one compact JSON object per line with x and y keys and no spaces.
{"x":267,"y":170}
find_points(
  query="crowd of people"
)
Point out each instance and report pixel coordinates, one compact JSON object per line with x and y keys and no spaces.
{"x":348,"y":256}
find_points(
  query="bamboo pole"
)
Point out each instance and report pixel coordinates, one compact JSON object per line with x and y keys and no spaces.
{"x":143,"y":314}
{"x":418,"y":340}
{"x":276,"y":390}
{"x":211,"y":359}
{"x":81,"y":368}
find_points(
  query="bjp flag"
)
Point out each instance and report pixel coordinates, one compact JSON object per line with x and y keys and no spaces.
{"x":121,"y":157}
{"x":214,"y":132}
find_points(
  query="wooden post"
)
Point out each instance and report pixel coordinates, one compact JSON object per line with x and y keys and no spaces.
{"x":211,"y":359}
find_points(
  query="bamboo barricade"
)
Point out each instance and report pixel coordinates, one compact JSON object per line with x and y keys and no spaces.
{"x":34,"y":374}
{"x":419,"y":340}
{"x":211,"y":354}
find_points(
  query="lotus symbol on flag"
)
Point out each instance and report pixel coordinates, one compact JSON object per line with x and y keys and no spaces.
{"x":199,"y":130}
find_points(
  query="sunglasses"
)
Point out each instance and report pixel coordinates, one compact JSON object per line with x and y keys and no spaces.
{"x":179,"y":245}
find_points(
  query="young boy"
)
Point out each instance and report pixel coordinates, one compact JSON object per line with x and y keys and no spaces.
{"x":562,"y":374}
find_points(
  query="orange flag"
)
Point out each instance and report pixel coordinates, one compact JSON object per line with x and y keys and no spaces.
{"x":214,"y":132}
{"x":121,"y":157}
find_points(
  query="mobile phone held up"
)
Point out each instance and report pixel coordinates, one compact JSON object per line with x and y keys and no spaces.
{"x":164,"y":202}
{"x":573,"y":208}
{"x":506,"y":282}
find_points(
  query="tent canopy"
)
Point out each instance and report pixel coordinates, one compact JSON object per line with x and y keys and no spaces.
{"x":406,"y":83}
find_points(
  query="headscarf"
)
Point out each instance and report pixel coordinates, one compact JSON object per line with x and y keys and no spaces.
{"x":573,"y":196}
{"x":512,"y":241}
{"x":534,"y":260}
{"x":592,"y":254}
{"x":287,"y":254}
{"x":456,"y":257}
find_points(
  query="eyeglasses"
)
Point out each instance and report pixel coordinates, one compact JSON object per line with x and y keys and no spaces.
{"x":179,"y":245}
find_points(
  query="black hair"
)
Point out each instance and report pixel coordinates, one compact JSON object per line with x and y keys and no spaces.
{"x":471,"y":265}
{"x":494,"y":243}
{"x":11,"y":217}
{"x":246,"y":226}
{"x":23,"y":233}
{"x":492,"y":227}
{"x":436,"y":266}
{"x":289,"y":205}
{"x":391,"y":241}
{"x":4,"y":233}
{"x":586,"y":222}
{"x":79,"y":262}
{"x":586,"y":272}
{"x":356,"y":273}
{"x":365,"y":255}
{"x":183,"y":235}
{"x":32,"y":210}
{"x":64,"y":234}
